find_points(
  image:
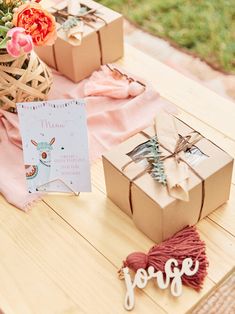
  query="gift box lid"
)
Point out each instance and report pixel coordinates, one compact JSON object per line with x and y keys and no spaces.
{"x":216,"y":159}
{"x":104,"y":15}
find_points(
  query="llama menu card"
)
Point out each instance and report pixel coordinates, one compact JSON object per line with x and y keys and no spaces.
{"x":55,"y":145}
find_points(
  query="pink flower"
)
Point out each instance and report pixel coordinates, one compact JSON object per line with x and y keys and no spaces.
{"x":19,"y":42}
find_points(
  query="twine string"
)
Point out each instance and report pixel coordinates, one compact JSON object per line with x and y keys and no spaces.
{"x":87,"y":18}
{"x":182,"y":144}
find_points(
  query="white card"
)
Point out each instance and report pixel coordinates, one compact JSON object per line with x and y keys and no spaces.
{"x":55,"y":145}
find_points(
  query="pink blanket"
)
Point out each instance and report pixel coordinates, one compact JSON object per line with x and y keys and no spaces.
{"x":112,"y":116}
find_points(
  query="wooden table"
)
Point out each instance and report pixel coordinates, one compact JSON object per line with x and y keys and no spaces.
{"x":63,"y":256}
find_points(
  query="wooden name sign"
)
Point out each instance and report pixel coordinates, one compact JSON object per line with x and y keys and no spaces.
{"x":171,"y":277}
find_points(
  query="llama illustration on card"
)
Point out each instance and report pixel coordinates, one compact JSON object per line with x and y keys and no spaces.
{"x":40,"y":173}
{"x":55,"y":146}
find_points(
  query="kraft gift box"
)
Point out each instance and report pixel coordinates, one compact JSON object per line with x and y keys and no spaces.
{"x":153,"y":210}
{"x":102,"y":42}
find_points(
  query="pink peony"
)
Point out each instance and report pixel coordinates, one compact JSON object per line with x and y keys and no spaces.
{"x":19,"y":42}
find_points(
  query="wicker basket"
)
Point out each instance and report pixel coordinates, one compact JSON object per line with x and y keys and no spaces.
{"x":22,"y":79}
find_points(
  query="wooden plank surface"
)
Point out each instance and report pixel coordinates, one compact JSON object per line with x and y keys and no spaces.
{"x":192,"y":97}
{"x":63,"y":256}
{"x":47,"y":267}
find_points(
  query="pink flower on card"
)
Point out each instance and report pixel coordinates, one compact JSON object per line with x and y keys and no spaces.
{"x":19,"y":42}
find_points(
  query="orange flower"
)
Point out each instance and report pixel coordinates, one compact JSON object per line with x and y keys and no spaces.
{"x":37,"y":22}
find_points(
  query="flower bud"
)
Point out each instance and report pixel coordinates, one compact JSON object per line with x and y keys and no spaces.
{"x":8,"y":24}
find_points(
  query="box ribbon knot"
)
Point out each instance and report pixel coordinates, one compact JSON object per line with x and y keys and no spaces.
{"x":175,"y":165}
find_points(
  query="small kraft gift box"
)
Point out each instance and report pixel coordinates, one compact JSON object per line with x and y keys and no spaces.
{"x":167,"y":177}
{"x":86,"y":40}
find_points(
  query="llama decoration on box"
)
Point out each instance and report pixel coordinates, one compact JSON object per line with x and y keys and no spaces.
{"x":41,"y":171}
{"x":55,"y":146}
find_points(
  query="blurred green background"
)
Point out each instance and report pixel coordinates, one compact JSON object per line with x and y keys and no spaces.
{"x":203,"y":27}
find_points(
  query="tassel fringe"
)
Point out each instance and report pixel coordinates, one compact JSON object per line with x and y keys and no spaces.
{"x":184,"y":244}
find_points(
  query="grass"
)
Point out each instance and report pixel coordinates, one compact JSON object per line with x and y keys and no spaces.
{"x":205,"y":28}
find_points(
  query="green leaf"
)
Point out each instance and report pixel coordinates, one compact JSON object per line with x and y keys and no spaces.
{"x":3,"y":43}
{"x":150,"y":151}
{"x":157,"y":167}
{"x":3,"y":30}
{"x":69,"y":23}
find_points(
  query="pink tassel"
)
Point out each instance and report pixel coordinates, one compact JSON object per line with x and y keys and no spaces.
{"x":112,"y":83}
{"x":185,"y":243}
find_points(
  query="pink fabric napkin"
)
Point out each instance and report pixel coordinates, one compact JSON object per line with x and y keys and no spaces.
{"x":112,"y":115}
{"x":12,"y":173}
